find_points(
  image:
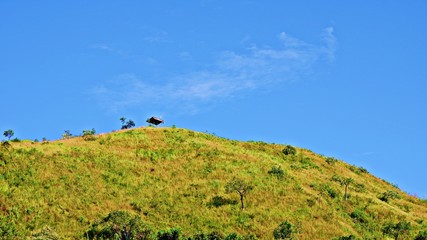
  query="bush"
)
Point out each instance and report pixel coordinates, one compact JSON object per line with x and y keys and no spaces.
{"x":233,"y":236}
{"x":326,"y":188}
{"x":349,"y":237}
{"x":359,"y":216}
{"x":89,"y":135}
{"x":421,"y":236}
{"x":219,"y":201}
{"x":331,"y":160}
{"x":363,"y":170}
{"x":386,"y":196}
{"x":211,"y":236}
{"x":119,"y":225}
{"x":289,"y":150}
{"x":277,"y":172}
{"x":170,"y":234}
{"x":285,"y":230}
{"x":398,"y":229}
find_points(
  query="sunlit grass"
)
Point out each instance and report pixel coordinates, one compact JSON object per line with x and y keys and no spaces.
{"x":168,"y":176}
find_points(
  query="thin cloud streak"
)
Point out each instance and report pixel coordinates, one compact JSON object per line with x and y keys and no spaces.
{"x":233,"y":74}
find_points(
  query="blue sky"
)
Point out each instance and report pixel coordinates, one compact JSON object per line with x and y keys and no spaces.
{"x":344,"y":79}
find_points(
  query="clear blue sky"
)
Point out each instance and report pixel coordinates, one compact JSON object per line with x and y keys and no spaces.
{"x":343,"y":78}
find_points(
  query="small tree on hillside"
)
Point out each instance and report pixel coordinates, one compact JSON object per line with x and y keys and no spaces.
{"x":67,"y":134}
{"x":343,"y":181}
{"x":127,"y":124}
{"x":239,"y":186}
{"x":346,"y":182}
{"x":8,"y":133}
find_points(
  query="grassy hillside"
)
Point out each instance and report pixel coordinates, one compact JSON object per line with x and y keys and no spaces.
{"x":176,"y":178}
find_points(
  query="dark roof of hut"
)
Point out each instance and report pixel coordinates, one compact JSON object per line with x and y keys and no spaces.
{"x":155,"y":120}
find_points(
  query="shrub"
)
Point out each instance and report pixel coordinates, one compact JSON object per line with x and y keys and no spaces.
{"x":363,"y":170}
{"x":277,"y":172}
{"x":119,"y":225}
{"x":386,"y":196}
{"x":331,"y":192}
{"x":289,"y":150}
{"x":336,"y":178}
{"x":89,"y":135}
{"x":398,"y":229}
{"x":349,"y":237}
{"x":285,"y":230}
{"x":331,"y":160}
{"x":211,"y":236}
{"x":250,"y":237}
{"x":421,"y":236}
{"x":233,"y":236}
{"x":170,"y":234}
{"x":219,"y":201}
{"x":360,"y":187}
{"x":359,"y":216}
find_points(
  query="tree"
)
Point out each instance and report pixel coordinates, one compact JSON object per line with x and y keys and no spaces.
{"x":346,"y":182}
{"x":67,"y":134}
{"x":239,"y":186}
{"x":8,"y":133}
{"x":343,"y":181}
{"x":127,"y":124}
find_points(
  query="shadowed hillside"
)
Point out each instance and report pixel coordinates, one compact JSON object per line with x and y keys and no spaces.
{"x":177,"y":178}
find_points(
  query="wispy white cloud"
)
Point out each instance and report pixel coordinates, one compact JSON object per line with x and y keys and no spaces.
{"x":233,"y":73}
{"x":331,"y":43}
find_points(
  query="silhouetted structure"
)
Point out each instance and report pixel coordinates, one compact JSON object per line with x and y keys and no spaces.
{"x":155,"y":121}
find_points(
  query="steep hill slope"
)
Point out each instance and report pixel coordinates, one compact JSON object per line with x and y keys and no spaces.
{"x":174,"y":177}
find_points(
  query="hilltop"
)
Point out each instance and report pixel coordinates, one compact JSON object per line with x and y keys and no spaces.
{"x":172,"y":178}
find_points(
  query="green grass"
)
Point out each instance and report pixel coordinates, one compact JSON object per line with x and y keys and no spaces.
{"x":170,"y":176}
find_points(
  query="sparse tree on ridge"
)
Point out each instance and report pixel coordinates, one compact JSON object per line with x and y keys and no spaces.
{"x":67,"y":134}
{"x":8,"y":133}
{"x":127,"y":124}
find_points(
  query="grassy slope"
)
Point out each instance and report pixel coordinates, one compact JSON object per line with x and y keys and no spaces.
{"x":168,"y":176}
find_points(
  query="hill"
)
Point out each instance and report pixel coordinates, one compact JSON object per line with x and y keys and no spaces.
{"x":171,"y":178}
